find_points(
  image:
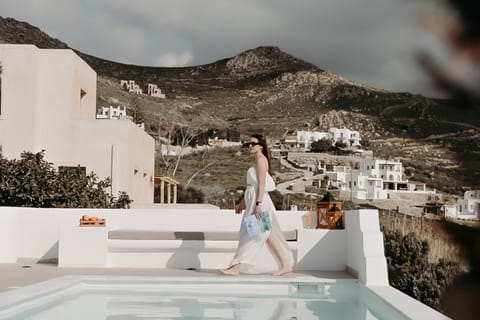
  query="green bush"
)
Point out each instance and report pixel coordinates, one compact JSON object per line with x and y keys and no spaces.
{"x":322,"y":145}
{"x":31,"y":181}
{"x":190,"y":195}
{"x":410,"y":271}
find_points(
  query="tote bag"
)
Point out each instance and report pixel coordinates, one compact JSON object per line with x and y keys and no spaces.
{"x":266,"y":224}
{"x":252,"y":225}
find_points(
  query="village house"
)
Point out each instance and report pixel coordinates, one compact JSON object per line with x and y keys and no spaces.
{"x":304,"y":139}
{"x":111,"y":112}
{"x":48,"y":101}
{"x":151,"y":89}
{"x":154,"y":91}
{"x":349,"y":137}
{"x":375,"y":179}
{"x":467,"y":208}
{"x":116,"y":113}
{"x":131,"y":86}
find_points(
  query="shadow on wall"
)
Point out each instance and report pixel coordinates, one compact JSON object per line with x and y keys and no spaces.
{"x":51,"y":256}
{"x":187,"y":255}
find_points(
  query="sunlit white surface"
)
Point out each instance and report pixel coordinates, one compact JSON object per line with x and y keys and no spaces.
{"x":151,"y":298}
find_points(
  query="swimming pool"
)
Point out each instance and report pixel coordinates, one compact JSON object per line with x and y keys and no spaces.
{"x":125,"y":298}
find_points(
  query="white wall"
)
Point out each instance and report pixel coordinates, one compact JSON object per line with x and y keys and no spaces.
{"x":34,"y":233}
{"x":18,"y":99}
{"x":116,"y":149}
{"x":43,"y":109}
{"x":365,"y":249}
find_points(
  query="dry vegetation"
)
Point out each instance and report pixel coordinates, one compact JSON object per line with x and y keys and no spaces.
{"x":224,"y":180}
{"x":441,"y":244}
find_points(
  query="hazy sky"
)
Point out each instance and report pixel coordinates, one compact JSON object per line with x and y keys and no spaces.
{"x":369,"y":41}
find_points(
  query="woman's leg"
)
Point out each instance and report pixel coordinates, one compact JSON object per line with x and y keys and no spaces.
{"x":232,"y":270}
{"x":275,"y":245}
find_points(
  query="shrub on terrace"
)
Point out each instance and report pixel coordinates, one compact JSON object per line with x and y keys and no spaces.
{"x":31,"y":181}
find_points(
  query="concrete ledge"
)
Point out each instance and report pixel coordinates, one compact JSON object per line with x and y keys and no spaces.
{"x":365,"y":250}
{"x":405,"y":305}
{"x":139,"y":234}
{"x":83,"y":247}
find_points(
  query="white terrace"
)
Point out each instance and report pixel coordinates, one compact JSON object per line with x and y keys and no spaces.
{"x":200,"y":238}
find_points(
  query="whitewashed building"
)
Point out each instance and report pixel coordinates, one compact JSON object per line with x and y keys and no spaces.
{"x":376,"y":179}
{"x":467,"y":208}
{"x":154,"y":91}
{"x":349,"y":137}
{"x":48,"y":101}
{"x":470,"y":204}
{"x":304,"y":139}
{"x":131,"y":86}
{"x":112,"y":112}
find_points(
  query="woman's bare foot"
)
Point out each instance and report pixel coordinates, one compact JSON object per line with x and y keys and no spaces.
{"x":283,"y":271}
{"x":231,"y":271}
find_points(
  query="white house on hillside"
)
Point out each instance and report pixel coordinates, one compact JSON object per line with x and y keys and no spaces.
{"x":376,"y":179}
{"x":112,"y":112}
{"x":470,"y":204}
{"x":48,"y":101}
{"x":154,"y":91}
{"x":467,"y":208}
{"x":349,"y":137}
{"x":131,"y":86}
{"x":304,"y":139}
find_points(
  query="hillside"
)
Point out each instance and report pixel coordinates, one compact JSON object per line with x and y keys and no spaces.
{"x":267,"y":90}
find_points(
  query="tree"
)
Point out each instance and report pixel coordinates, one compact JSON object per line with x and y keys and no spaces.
{"x":31,"y":181}
{"x":322,"y":145}
{"x":206,"y":163}
{"x":340,"y":145}
{"x":172,"y":140}
{"x":190,"y":195}
{"x":138,"y":116}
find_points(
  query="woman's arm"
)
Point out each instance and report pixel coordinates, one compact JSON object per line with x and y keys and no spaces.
{"x":261,"y":169}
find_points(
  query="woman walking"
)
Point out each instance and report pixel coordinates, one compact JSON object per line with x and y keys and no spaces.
{"x":266,"y":251}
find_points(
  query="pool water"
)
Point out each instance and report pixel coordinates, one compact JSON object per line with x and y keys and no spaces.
{"x":163,"y":299}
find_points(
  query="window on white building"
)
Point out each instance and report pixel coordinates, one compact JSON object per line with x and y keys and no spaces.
{"x":83,"y":93}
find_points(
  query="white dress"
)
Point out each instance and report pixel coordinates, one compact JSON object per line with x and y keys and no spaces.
{"x":253,"y":253}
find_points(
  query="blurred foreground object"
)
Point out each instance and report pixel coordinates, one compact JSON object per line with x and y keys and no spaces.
{"x":460,"y":28}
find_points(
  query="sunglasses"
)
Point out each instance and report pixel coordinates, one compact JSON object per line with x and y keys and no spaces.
{"x":251,"y":144}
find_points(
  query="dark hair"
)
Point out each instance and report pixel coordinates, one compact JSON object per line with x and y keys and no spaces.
{"x":263,"y":142}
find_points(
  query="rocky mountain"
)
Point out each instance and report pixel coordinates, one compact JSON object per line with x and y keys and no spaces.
{"x":267,"y":90}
